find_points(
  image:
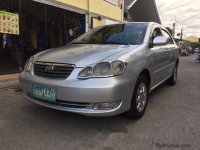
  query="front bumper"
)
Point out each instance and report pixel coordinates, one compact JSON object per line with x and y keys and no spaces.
{"x":73,"y":93}
{"x":83,"y":111}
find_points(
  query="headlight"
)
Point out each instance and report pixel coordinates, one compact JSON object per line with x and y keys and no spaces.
{"x":86,"y":72}
{"x":28,"y":64}
{"x":118,"y":67}
{"x":104,"y":69}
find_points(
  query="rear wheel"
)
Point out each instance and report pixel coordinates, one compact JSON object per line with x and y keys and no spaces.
{"x":139,"y":99}
{"x":172,"y":80}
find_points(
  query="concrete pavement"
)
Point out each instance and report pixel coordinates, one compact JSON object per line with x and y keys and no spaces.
{"x":171,"y":121}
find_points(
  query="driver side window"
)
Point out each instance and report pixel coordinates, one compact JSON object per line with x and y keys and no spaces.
{"x":156,"y":32}
{"x":165,"y":34}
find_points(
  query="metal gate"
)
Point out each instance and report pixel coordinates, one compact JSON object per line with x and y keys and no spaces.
{"x":41,"y":27}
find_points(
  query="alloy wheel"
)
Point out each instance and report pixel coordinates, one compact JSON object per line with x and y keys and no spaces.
{"x":141,"y":97}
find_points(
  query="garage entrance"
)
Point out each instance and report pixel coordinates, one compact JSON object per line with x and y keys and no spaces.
{"x":41,"y":27}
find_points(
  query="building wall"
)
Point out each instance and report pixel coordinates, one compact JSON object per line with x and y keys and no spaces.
{"x":97,"y":8}
{"x":96,"y":22}
{"x":108,"y":22}
{"x":82,"y":4}
{"x":192,"y":39}
{"x":106,"y":9}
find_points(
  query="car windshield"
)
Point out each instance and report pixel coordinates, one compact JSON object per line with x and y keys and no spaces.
{"x":124,"y":34}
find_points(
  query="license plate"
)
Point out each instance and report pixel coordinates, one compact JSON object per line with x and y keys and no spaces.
{"x":44,"y":93}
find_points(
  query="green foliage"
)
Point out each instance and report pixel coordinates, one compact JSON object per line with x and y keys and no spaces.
{"x":195,"y":44}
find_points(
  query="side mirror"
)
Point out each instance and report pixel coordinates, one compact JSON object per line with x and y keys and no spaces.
{"x":160,"y":40}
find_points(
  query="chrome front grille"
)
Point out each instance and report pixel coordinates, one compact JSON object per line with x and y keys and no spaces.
{"x":53,"y":70}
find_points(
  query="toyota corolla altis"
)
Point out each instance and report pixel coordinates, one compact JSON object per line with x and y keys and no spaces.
{"x":107,"y":71}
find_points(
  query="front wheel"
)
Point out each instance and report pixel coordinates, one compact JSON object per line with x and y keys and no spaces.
{"x":139,"y":99}
{"x":172,"y":80}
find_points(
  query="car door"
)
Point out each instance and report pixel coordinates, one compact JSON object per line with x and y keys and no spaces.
{"x":171,"y":49}
{"x":159,"y":56}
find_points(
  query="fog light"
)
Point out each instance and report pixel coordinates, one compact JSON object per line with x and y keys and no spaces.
{"x":107,"y":105}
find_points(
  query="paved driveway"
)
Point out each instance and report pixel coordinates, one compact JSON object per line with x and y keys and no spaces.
{"x":172,"y":121}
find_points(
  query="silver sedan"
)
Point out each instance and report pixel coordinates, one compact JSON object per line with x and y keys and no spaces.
{"x":107,"y":71}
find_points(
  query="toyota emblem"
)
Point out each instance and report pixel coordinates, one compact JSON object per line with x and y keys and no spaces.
{"x":49,"y":68}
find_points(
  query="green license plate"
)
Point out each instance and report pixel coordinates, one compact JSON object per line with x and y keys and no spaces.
{"x":44,"y":93}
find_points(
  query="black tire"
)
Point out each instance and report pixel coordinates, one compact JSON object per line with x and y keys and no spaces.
{"x":172,"y":80}
{"x":134,"y":112}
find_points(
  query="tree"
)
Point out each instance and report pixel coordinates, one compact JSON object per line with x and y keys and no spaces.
{"x":195,"y":44}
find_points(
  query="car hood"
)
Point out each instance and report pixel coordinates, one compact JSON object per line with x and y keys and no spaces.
{"x":81,"y":55}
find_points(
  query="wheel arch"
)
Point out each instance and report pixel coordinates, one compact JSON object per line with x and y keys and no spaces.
{"x":147,"y":74}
